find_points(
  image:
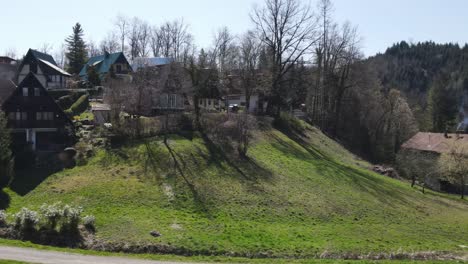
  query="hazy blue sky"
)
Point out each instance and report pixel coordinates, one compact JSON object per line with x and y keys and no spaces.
{"x":28,"y":24}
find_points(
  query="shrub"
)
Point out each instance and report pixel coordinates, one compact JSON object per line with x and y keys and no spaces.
{"x":3,"y":218}
{"x":26,"y":220}
{"x":65,"y":102}
{"x":289,"y":123}
{"x":80,"y":105}
{"x":71,"y":218}
{"x":52,"y":214}
{"x":89,"y":222}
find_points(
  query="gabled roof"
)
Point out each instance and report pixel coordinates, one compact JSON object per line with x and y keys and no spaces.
{"x":6,"y":89}
{"x":47,"y":60}
{"x":142,"y":62}
{"x":435,"y":142}
{"x":55,"y":67}
{"x":42,"y":56}
{"x":31,"y":79}
{"x":102,"y":63}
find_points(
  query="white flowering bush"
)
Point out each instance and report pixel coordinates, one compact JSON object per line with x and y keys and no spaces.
{"x":26,"y":220}
{"x":89,"y":222}
{"x":3,"y":218}
{"x":71,"y":217}
{"x":51,"y":214}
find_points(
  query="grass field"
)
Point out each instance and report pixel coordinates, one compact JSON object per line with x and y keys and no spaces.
{"x":294,"y":197}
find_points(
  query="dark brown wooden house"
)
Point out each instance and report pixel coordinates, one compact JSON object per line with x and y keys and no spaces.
{"x":45,"y":68}
{"x":35,"y":118}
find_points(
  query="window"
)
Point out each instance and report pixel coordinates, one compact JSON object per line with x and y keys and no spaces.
{"x":37,"y":92}
{"x":25,"y":91}
{"x":18,"y":116}
{"x":49,"y":116}
{"x":46,"y":116}
{"x":172,"y":101}
{"x":118,"y":68}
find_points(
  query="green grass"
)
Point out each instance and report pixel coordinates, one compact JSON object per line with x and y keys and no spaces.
{"x":204,"y":259}
{"x":11,"y":262}
{"x":84,"y":116}
{"x":289,"y":199}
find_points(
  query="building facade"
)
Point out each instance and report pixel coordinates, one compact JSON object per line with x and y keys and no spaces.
{"x":44,"y":67}
{"x":35,"y":119}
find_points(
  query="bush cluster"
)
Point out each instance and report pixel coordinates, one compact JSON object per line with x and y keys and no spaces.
{"x":289,"y":123}
{"x":79,"y":106}
{"x":55,"y":217}
{"x":3,"y":218}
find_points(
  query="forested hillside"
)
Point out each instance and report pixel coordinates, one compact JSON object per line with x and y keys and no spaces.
{"x":432,"y":77}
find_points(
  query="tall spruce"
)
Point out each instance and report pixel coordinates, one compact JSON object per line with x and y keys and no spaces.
{"x":5,"y":153}
{"x":76,"y":50}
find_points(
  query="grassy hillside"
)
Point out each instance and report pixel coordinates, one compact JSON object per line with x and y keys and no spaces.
{"x":294,"y":197}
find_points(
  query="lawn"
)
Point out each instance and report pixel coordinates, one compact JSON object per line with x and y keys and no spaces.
{"x":294,"y":197}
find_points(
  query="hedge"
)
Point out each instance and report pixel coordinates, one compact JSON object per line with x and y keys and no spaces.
{"x":58,"y":93}
{"x":80,"y":105}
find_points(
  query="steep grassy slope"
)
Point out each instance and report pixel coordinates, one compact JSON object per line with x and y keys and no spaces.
{"x":294,"y":197}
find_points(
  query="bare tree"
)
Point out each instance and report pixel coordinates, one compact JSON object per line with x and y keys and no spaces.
{"x":110,"y":43}
{"x":12,"y":53}
{"x":249,"y":54}
{"x":46,"y":48}
{"x":59,"y":55}
{"x":172,"y":40}
{"x":456,"y":163}
{"x":289,"y":30}
{"x":122,"y":25}
{"x":224,"y":49}
{"x":93,"y":49}
{"x":144,"y":38}
{"x":245,"y":124}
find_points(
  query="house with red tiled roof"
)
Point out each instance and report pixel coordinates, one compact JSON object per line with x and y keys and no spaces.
{"x":435,"y":142}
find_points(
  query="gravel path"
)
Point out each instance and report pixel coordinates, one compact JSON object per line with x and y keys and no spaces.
{"x":54,"y":257}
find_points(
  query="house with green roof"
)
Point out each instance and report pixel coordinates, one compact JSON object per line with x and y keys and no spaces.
{"x":105,"y":64}
{"x":44,"y":67}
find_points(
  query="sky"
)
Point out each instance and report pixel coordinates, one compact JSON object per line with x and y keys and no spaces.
{"x":30,"y":23}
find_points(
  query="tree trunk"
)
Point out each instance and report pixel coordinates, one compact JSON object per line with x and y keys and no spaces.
{"x":462,"y":187}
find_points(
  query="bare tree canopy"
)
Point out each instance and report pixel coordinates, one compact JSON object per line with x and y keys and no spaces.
{"x":289,"y":30}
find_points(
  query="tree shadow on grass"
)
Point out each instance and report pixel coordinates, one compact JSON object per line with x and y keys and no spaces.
{"x":334,"y":170}
{"x":247,"y":167}
{"x":26,"y":180}
{"x":4,"y":200}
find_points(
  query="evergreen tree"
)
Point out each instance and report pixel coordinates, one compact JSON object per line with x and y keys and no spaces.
{"x":77,"y":53}
{"x":5,"y":153}
{"x":93,"y":76}
{"x":443,"y":104}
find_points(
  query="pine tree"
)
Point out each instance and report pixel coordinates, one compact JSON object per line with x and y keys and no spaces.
{"x":443,"y":104}
{"x":77,"y":53}
{"x":93,"y":76}
{"x":5,"y":153}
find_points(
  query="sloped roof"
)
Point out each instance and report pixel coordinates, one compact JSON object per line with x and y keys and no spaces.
{"x":435,"y":142}
{"x":6,"y":88}
{"x":46,"y":60}
{"x":43,"y":56}
{"x":102,"y":63}
{"x":142,"y":62}
{"x":55,"y":67}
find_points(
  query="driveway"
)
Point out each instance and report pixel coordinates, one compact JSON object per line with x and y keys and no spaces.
{"x":54,"y":257}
